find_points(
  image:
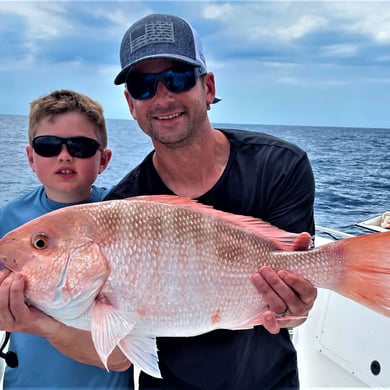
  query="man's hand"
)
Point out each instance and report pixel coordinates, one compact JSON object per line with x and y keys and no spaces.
{"x":16,"y":316}
{"x":287,"y":294}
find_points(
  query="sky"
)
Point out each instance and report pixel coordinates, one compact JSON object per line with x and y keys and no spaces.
{"x":314,"y":63}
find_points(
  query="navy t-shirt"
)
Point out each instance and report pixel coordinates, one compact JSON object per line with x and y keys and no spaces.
{"x":265,"y":177}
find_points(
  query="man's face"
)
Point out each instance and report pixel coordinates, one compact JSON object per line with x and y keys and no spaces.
{"x":170,"y":117}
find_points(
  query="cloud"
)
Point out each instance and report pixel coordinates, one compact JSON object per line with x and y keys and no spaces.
{"x":32,"y":14}
{"x":260,"y":52}
{"x":340,"y":50}
{"x":369,"y":19}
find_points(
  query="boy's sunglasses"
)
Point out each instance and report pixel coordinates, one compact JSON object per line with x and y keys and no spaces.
{"x":50,"y":146}
{"x":142,"y":86}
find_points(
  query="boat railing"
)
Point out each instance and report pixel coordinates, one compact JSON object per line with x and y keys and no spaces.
{"x":333,"y":233}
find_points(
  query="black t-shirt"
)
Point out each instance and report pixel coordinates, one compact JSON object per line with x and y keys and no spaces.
{"x":265,"y":177}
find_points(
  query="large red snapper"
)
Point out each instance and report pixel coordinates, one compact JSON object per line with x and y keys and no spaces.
{"x":131,"y":270}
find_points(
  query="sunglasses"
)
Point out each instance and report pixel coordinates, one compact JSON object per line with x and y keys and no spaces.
{"x":142,"y":86}
{"x":50,"y":146}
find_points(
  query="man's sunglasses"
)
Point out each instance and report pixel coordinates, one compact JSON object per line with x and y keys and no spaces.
{"x":50,"y":146}
{"x":142,"y":86}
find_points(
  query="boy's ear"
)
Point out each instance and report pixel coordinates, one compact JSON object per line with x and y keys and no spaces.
{"x":30,"y":157}
{"x":105,"y":158}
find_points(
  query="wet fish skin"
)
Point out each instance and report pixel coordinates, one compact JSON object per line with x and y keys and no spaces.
{"x":132,"y":270}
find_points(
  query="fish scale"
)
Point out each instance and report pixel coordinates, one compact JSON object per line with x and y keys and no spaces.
{"x":145,"y":267}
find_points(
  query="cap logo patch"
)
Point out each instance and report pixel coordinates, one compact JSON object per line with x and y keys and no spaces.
{"x":152,"y":32}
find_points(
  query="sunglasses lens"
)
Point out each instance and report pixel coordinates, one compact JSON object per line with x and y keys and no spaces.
{"x":50,"y":146}
{"x":82,"y":147}
{"x":179,"y":81}
{"x":142,"y":86}
{"x":47,"y":146}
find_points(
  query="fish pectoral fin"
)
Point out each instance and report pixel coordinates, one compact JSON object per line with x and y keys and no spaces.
{"x":108,"y":327}
{"x":141,"y":350}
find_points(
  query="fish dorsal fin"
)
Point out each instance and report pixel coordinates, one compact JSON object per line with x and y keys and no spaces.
{"x":279,"y":238}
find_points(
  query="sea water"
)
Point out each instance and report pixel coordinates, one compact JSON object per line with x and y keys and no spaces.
{"x":351,"y":165}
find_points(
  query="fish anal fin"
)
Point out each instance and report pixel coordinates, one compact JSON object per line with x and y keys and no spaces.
{"x":259,"y":320}
{"x":108,"y":327}
{"x":254,"y":321}
{"x":279,"y":238}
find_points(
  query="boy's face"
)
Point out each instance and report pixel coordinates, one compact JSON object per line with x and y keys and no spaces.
{"x":67,"y":179}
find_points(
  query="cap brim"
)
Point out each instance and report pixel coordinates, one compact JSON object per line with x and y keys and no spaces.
{"x":121,"y":77}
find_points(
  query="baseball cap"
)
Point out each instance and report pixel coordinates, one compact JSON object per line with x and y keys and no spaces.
{"x":160,"y":36}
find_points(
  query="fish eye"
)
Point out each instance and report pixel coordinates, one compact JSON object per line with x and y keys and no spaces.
{"x":40,"y":241}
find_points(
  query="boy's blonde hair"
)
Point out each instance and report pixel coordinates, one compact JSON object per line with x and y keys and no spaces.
{"x":62,"y":101}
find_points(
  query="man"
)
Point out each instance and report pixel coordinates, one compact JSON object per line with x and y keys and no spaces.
{"x":169,"y":91}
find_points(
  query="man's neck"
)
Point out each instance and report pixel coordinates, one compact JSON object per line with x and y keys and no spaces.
{"x":193,"y":170}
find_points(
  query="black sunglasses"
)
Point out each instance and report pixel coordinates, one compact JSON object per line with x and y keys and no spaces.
{"x":142,"y":86}
{"x":50,"y":146}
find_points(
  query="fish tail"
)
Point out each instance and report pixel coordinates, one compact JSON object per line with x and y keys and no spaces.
{"x":366,"y":274}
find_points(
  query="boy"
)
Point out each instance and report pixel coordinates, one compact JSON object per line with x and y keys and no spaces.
{"x":67,"y":150}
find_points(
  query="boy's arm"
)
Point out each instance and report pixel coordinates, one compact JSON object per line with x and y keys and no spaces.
{"x":16,"y":316}
{"x":77,"y":344}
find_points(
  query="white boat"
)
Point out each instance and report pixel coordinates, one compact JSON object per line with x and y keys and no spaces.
{"x":373,"y":224}
{"x":342,"y":344}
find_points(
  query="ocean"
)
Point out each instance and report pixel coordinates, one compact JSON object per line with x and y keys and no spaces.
{"x":351,"y":165}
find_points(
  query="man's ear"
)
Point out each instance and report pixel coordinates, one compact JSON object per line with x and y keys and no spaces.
{"x":209,"y":83}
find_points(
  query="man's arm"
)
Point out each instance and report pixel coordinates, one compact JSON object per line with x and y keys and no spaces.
{"x":77,"y":344}
{"x":292,"y":210}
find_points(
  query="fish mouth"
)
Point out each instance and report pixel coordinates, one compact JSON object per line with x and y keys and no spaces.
{"x":5,"y":264}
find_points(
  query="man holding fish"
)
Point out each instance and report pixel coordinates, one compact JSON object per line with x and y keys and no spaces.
{"x":169,"y":91}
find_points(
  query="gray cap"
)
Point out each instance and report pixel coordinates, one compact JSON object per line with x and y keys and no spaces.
{"x":160,"y":36}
